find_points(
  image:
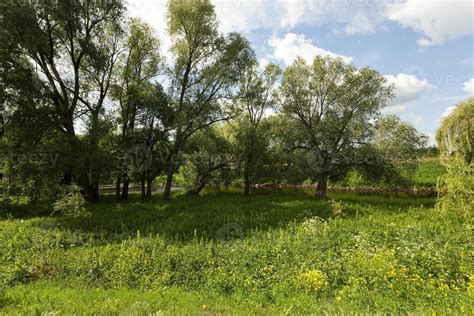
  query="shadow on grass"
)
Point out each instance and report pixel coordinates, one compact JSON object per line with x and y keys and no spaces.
{"x":213,"y":215}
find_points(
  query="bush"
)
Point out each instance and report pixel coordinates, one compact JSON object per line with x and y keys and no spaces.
{"x":355,"y":179}
{"x":72,"y":203}
{"x":456,"y":189}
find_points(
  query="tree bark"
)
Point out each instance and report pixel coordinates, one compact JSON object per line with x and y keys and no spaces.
{"x":198,"y":188}
{"x":149,"y":187}
{"x":90,"y":191}
{"x":117,"y":188}
{"x":143,"y":186}
{"x":246,"y":181}
{"x":125,"y":189}
{"x":95,"y":192}
{"x":321,"y":187}
{"x":67,"y":177}
{"x":169,"y":182}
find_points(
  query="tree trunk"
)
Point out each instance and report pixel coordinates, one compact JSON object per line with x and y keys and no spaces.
{"x":95,"y":192}
{"x":126,"y":185}
{"x":198,"y":188}
{"x":117,"y":188}
{"x":169,"y":182}
{"x":149,"y":187}
{"x":67,"y":175}
{"x":143,"y":186}
{"x":246,"y":182}
{"x":89,"y":190}
{"x":67,"y":178}
{"x":321,"y":187}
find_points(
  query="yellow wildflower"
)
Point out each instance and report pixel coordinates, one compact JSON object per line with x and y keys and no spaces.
{"x":313,"y":280}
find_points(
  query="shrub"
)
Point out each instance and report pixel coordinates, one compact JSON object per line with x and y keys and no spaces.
{"x":456,"y":189}
{"x":72,"y":203}
{"x":337,"y":208}
{"x":355,"y":179}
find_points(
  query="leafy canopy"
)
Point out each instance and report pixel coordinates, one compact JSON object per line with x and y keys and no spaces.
{"x":456,"y":133}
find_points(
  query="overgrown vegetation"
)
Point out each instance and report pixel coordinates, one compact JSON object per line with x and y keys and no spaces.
{"x":286,"y":252}
{"x":456,"y":189}
{"x":162,"y":116}
{"x":90,"y":106}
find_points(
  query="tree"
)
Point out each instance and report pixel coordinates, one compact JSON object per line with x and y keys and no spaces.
{"x":333,"y":105}
{"x":155,"y":121}
{"x":207,"y":66}
{"x":207,"y":152}
{"x":138,"y":65}
{"x":397,"y":140}
{"x":255,"y":97}
{"x":24,"y":102}
{"x":74,"y":47}
{"x":393,"y":149}
{"x":456,"y":133}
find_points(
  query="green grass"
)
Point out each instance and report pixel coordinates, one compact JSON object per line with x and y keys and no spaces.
{"x":428,"y":172}
{"x":271,"y":253}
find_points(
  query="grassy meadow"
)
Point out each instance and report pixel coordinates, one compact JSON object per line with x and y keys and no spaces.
{"x":275,"y":252}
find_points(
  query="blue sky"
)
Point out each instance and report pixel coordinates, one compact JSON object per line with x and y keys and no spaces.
{"x":424,"y":47}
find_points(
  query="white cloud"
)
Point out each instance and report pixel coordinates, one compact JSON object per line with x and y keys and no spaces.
{"x":469,"y":86}
{"x":263,"y":62}
{"x":437,"y":20}
{"x":448,"y":111}
{"x":291,"y":46}
{"x":154,"y":13}
{"x":360,"y":23}
{"x":431,"y":139}
{"x":467,"y":61}
{"x":394,"y":109}
{"x":407,"y":88}
{"x":351,"y":17}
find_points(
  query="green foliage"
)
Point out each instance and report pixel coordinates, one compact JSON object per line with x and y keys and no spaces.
{"x":72,"y":203}
{"x":354,"y":179}
{"x":31,"y":171}
{"x":74,"y":45}
{"x":311,"y":280}
{"x":456,"y":133}
{"x":337,"y":208}
{"x":428,"y":172}
{"x":279,"y":252}
{"x":397,"y":140}
{"x":456,"y":189}
{"x":332,"y":105}
{"x":251,"y":137}
{"x":206,"y":69}
{"x":386,"y":255}
{"x":207,"y":154}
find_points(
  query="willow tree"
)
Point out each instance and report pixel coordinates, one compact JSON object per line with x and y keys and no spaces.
{"x":138,"y":66}
{"x":397,"y":140}
{"x":456,"y":133}
{"x":73,"y":46}
{"x":206,"y":68}
{"x":23,"y":103}
{"x":207,"y":154}
{"x":256,"y":96}
{"x":333,"y":105}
